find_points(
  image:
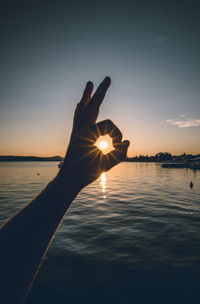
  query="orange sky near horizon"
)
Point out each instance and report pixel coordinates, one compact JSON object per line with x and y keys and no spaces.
{"x":145,"y":139}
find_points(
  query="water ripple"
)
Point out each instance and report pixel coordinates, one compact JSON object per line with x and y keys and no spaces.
{"x":140,"y":219}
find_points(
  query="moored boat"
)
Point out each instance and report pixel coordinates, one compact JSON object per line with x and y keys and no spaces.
{"x":60,"y":164}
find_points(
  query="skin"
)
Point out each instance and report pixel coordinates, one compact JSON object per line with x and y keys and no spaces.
{"x":25,"y":238}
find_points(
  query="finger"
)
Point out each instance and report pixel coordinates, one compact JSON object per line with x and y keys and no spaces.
{"x":76,"y":114}
{"x":122,"y":146}
{"x":100,"y":93}
{"x":91,"y":113}
{"x":83,"y":103}
{"x":108,"y":127}
{"x":116,"y":156}
{"x":86,"y":95}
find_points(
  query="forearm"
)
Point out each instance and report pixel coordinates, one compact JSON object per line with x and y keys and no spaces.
{"x":26,"y":237}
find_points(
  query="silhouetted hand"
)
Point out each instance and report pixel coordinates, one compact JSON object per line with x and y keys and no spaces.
{"x":84,"y":162}
{"x":25,"y":237}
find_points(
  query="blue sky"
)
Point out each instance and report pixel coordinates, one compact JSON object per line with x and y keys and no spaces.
{"x":150,"y":49}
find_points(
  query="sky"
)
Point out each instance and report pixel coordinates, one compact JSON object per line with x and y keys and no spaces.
{"x":50,"y":49}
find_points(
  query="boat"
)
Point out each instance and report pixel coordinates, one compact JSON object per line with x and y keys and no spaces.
{"x":60,"y":164}
{"x":188,"y":165}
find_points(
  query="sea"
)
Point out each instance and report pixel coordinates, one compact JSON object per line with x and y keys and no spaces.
{"x":132,"y":236}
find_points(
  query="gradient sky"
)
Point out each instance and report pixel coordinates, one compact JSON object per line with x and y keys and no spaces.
{"x":150,"y":49}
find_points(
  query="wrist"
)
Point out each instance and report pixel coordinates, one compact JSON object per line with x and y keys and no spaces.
{"x":65,"y":186}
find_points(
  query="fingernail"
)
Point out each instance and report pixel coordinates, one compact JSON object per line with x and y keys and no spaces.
{"x":126,"y":142}
{"x":107,"y":79}
{"x":90,"y":83}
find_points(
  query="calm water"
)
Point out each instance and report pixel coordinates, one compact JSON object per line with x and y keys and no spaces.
{"x":133,"y":236}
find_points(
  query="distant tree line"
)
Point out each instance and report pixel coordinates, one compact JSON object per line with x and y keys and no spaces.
{"x":13,"y":158}
{"x":162,"y":157}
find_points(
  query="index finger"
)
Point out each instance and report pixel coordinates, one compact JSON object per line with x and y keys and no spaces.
{"x":86,"y":95}
{"x":106,"y":127}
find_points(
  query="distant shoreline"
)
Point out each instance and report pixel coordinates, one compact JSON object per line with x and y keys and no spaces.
{"x":12,"y":158}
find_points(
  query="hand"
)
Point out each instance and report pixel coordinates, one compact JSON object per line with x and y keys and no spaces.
{"x":26,"y":236}
{"x":84,"y":162}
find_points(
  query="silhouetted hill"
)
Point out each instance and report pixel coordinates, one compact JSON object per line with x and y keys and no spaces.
{"x":12,"y":158}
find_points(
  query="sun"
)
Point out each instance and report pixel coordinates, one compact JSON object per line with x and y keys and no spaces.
{"x":103,"y":145}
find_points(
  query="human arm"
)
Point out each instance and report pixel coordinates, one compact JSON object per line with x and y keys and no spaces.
{"x":25,"y":238}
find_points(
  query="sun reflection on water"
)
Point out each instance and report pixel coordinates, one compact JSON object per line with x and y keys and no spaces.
{"x":103,"y":183}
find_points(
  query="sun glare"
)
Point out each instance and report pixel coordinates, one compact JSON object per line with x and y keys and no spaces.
{"x":104,"y":143}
